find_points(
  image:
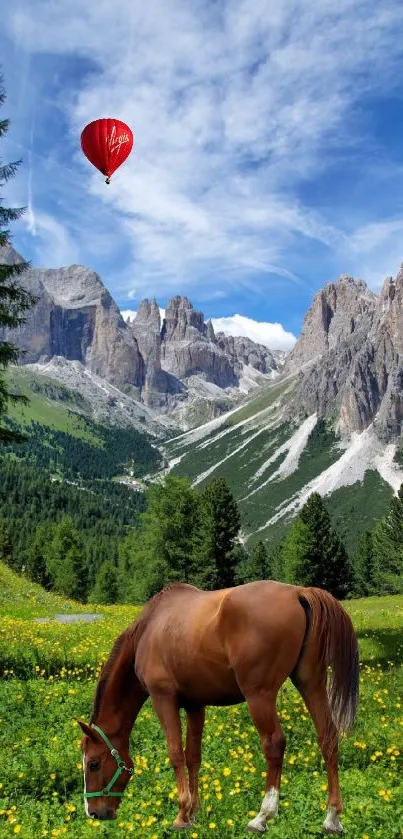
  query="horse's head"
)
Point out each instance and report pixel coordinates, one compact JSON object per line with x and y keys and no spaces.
{"x":107,"y":769}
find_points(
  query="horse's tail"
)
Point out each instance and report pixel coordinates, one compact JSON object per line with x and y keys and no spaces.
{"x":338,"y":648}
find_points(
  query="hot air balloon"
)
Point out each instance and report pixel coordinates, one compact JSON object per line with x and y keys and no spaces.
{"x":107,"y":143}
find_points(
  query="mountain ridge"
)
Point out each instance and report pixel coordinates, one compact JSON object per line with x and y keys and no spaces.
{"x":157,"y":363}
{"x":328,"y":419}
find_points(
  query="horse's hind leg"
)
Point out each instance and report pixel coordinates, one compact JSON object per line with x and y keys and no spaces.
{"x":317,"y":703}
{"x":167,"y":710}
{"x":194,"y":733}
{"x":262,"y":708}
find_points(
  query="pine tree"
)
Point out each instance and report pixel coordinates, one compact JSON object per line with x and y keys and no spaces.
{"x":313,"y":553}
{"x":6,"y":544}
{"x":218,"y":530}
{"x":365,"y":574}
{"x":14,"y":299}
{"x":388,"y":549}
{"x":276,"y":560}
{"x":297,"y":548}
{"x":160,"y":551}
{"x":256,"y":565}
{"x":241,"y":560}
{"x":36,"y":555}
{"x":66,"y":563}
{"x":106,"y":589}
{"x":259,"y":562}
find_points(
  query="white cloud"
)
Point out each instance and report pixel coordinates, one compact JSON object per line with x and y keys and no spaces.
{"x":234,"y":105}
{"x":128,"y":314}
{"x":272,"y":335}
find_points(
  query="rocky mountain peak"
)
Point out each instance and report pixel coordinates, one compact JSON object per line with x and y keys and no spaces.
{"x":74,"y":286}
{"x":182,"y":322}
{"x":76,"y":319}
{"x":337,"y":310}
{"x":350,"y":356}
{"x":148,"y":313}
{"x":210,"y":331}
{"x":387,"y":293}
{"x":189,"y":347}
{"x":244,"y":351}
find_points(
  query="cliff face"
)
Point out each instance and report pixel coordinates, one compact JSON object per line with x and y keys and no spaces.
{"x":189,"y":347}
{"x":373,"y":388}
{"x":338,"y":311}
{"x":243,"y":351}
{"x":348,"y":359}
{"x":350,"y":356}
{"x":77,"y":319}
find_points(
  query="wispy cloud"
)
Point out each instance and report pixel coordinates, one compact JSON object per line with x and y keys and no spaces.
{"x":238,"y":110}
{"x":378,"y":246}
{"x":30,"y":216}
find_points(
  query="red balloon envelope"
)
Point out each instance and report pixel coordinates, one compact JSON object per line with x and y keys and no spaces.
{"x":107,"y":143}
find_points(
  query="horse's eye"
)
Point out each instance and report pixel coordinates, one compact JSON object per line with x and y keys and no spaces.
{"x":93,"y":765}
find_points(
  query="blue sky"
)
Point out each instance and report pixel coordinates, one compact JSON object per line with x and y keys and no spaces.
{"x":268,"y":152}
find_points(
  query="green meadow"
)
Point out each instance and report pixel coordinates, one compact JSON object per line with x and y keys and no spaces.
{"x":49,"y":672}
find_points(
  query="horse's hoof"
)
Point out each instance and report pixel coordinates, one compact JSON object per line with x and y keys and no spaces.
{"x":256,"y":826}
{"x":181,"y":825}
{"x":332,"y":825}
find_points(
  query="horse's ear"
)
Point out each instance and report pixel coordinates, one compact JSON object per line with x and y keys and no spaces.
{"x":86,"y":729}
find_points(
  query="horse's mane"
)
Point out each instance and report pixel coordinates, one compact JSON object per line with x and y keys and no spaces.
{"x":117,"y":648}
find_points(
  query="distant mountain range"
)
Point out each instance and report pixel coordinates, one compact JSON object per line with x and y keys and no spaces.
{"x":327,"y":416}
{"x":160,"y":364}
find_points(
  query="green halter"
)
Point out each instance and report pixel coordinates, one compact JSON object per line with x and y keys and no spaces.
{"x":121,"y":768}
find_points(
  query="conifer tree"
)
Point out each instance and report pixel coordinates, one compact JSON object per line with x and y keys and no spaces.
{"x":218,"y":531}
{"x":259,"y":561}
{"x":388,"y":549}
{"x":14,"y":299}
{"x":256,"y":565}
{"x":276,"y":560}
{"x":364,"y":570}
{"x":6,"y":545}
{"x":66,"y":563}
{"x":313,"y":553}
{"x":36,"y":555}
{"x":160,"y":551}
{"x":106,"y":589}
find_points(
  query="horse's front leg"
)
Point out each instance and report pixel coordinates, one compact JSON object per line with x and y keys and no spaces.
{"x":167,"y":710}
{"x":194,"y":733}
{"x":262,"y":708}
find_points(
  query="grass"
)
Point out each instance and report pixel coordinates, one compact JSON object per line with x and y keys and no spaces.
{"x":49,"y":672}
{"x":56,"y":412}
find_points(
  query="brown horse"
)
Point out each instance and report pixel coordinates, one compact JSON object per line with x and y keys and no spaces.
{"x":191,"y":648}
